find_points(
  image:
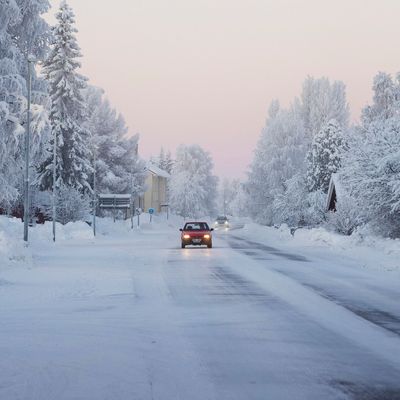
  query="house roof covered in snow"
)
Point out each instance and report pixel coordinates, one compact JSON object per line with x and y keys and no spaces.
{"x":158,"y":171}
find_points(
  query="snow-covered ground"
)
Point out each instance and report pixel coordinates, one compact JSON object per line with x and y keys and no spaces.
{"x":368,"y":251}
{"x":263,"y":315}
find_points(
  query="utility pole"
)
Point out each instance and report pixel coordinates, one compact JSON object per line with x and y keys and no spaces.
{"x":30,"y":60}
{"x":54,"y":184}
{"x":224,"y":202}
{"x":94,"y":192}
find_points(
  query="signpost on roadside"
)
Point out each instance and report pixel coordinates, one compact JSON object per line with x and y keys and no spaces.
{"x":151,"y":212}
{"x":138,"y":212}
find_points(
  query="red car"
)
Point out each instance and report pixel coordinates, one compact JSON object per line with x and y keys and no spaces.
{"x":196,"y":234}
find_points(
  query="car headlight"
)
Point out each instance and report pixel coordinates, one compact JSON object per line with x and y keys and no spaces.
{"x":207,"y":236}
{"x":186,"y":236}
{"x":226,"y":222}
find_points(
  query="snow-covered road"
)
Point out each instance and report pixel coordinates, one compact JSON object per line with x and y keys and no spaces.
{"x":136,"y":317}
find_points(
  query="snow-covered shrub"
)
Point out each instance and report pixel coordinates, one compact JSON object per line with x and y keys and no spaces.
{"x":296,"y":206}
{"x":291,"y":205}
{"x":316,"y":210}
{"x":72,"y":205}
{"x":346,"y":218}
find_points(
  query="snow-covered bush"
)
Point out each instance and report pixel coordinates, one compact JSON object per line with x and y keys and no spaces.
{"x":346,"y":218}
{"x":72,"y":205}
{"x":291,"y":205}
{"x":316,"y":210}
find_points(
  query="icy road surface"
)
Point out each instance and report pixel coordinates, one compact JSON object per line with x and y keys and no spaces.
{"x":136,"y":317}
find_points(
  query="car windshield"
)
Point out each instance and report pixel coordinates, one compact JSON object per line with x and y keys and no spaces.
{"x":222,"y":219}
{"x":196,"y":226}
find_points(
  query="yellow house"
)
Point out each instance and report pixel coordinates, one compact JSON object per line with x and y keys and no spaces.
{"x":156,"y":195}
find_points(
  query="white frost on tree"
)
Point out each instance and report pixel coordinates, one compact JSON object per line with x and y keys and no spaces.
{"x":23,"y":32}
{"x":277,"y":185}
{"x":193,"y":188}
{"x":385,"y":100}
{"x":279,"y":155}
{"x":232,"y":198}
{"x":322,"y":101}
{"x":119,"y":168}
{"x":371,"y":174}
{"x":324,"y":157}
{"x":68,"y":111}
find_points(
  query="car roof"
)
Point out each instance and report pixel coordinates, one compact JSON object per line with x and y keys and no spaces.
{"x":196,"y":222}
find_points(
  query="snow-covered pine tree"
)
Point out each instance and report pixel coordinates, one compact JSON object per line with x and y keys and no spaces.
{"x":193,"y":188}
{"x":23,"y":32}
{"x":68,"y":110}
{"x":164,"y":160}
{"x":118,"y":165}
{"x":324,"y":157}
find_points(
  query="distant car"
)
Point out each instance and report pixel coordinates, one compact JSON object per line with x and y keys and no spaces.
{"x":222,"y":222}
{"x":196,"y":234}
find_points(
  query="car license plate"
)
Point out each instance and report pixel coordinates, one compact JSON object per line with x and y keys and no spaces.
{"x":196,"y":240}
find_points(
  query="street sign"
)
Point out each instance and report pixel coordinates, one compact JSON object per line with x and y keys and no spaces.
{"x":152,"y":211}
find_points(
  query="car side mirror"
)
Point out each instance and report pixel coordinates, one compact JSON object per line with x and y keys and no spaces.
{"x":211,"y":229}
{"x":181,"y":230}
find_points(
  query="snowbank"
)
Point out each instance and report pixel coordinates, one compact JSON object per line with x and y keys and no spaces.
{"x":14,"y":252}
{"x":12,"y":249}
{"x":367,"y":250}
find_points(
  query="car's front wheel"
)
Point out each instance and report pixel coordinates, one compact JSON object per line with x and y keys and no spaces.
{"x":209,"y":245}
{"x":183,"y":245}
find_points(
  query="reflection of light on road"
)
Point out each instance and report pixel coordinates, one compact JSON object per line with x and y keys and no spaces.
{"x":186,"y":253}
{"x":193,"y":252}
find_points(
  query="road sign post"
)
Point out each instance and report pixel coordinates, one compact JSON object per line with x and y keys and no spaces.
{"x":151,"y":212}
{"x":138,"y":212}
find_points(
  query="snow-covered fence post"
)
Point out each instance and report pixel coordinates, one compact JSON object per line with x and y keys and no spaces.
{"x":115,"y":201}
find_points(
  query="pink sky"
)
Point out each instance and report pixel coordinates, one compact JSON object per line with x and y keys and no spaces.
{"x":205,"y":71}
